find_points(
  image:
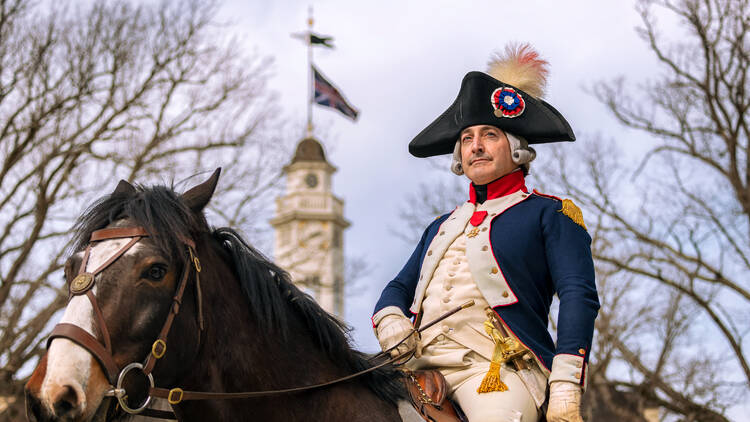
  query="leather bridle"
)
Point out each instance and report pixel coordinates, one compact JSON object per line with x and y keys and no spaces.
{"x":83,"y":283}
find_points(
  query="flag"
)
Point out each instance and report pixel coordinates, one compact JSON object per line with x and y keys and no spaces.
{"x":327,"y":95}
{"x":314,"y":39}
{"x":321,"y":39}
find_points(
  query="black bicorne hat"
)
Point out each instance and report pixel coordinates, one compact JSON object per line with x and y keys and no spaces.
{"x":484,"y":100}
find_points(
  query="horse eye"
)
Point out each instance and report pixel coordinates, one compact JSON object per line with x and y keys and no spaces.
{"x":155,"y":272}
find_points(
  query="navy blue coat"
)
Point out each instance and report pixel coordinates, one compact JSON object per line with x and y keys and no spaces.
{"x":541,"y":251}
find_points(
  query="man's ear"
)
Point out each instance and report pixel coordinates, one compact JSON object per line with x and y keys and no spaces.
{"x":197,"y":197}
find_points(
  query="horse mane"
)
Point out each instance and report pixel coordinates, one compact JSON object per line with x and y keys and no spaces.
{"x":271,"y":294}
{"x":158,"y":209}
{"x":268,"y":288}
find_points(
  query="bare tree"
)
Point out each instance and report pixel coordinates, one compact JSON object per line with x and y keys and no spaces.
{"x":671,"y":229}
{"x":114,"y":90}
{"x":430,"y":201}
{"x":672,"y":233}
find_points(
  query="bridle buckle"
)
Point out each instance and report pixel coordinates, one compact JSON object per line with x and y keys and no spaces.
{"x":178,"y":391}
{"x":196,"y":261}
{"x":159,"y":348}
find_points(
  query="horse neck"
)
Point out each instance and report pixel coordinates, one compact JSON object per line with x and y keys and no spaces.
{"x":238,"y":354}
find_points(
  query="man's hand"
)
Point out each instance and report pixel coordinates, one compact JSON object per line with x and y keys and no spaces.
{"x":564,"y":402}
{"x":392,"y":329}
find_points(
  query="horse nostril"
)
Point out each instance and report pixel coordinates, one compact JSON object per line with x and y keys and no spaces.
{"x":66,"y":402}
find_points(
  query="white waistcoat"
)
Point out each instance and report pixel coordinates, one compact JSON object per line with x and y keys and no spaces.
{"x":481,"y":261}
{"x":451,"y":286}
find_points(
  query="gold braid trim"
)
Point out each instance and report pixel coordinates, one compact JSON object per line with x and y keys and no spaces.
{"x":571,"y":210}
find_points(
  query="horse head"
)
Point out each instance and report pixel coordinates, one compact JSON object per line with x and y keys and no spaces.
{"x":135,"y":251}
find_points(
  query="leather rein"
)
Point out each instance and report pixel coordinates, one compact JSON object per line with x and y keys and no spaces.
{"x":83,"y":284}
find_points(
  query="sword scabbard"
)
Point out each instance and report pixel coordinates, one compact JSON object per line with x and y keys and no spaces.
{"x":515,"y":351}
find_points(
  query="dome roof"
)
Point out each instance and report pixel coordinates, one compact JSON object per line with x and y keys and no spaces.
{"x":309,"y":149}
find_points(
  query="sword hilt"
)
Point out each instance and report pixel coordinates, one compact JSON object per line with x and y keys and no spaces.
{"x":512,"y":349}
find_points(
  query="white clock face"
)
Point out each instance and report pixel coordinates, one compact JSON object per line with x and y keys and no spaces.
{"x":311,"y":180}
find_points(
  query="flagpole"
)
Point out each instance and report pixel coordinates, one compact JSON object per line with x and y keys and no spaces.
{"x":310,"y":93}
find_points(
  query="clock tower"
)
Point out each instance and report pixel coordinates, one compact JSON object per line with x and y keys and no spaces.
{"x":309,"y":225}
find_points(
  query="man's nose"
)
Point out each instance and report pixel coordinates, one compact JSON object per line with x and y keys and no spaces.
{"x":477,"y":144}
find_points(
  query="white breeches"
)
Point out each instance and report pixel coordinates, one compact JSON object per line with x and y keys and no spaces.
{"x":464,"y":370}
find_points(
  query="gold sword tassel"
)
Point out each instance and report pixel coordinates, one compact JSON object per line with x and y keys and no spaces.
{"x":507,"y":349}
{"x":492,"y":381}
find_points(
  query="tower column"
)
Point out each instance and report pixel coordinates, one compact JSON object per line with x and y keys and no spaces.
{"x":309,"y":225}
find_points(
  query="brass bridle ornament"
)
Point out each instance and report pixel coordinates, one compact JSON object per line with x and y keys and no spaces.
{"x":83,"y":283}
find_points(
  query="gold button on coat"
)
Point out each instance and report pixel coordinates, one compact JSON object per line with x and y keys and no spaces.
{"x":494,"y":270}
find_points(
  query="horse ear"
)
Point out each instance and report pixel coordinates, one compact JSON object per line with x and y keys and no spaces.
{"x":197,"y":197}
{"x":123,"y":187}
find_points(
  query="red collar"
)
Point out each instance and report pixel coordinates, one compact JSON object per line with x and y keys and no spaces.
{"x":505,"y":185}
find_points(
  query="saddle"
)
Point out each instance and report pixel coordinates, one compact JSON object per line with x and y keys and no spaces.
{"x":428,"y":391}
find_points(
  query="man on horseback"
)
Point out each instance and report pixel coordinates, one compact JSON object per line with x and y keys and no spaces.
{"x":508,"y":249}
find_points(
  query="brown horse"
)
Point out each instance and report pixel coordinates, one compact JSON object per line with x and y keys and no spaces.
{"x":242,"y":325}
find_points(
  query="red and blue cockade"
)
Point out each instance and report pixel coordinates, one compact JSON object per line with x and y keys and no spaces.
{"x":507,"y":102}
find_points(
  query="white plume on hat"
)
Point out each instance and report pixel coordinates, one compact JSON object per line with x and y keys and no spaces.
{"x":520,"y":66}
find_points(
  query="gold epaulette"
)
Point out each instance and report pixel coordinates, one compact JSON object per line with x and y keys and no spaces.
{"x":571,"y":210}
{"x":568,"y":208}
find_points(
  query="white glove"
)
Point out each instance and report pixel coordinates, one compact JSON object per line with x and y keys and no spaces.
{"x":564,"y":402}
{"x":392,"y":329}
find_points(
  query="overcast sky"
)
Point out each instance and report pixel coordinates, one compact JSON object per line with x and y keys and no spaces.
{"x":400,"y":63}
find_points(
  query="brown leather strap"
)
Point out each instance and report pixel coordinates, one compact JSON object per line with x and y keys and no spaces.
{"x":100,"y":321}
{"x":117,"y":254}
{"x":199,"y":299}
{"x":174,"y":310}
{"x":117,"y":233}
{"x":85,"y":260}
{"x":82,"y":337}
{"x":177,"y":395}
